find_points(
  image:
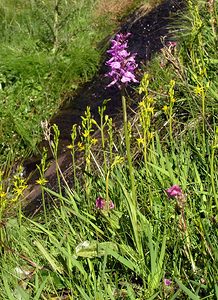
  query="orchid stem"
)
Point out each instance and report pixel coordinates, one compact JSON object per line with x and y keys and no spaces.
{"x":127,"y":140}
{"x":133,"y":205}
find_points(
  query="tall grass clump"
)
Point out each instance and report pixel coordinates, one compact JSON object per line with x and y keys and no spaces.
{"x":140,"y":221}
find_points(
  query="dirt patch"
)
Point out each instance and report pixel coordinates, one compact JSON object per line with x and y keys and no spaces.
{"x":113,"y":8}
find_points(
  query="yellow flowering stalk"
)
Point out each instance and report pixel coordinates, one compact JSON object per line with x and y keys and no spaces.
{"x":168,"y":109}
{"x":172,"y":101}
{"x":3,"y":195}
{"x":11,"y":194}
{"x":85,"y":145}
{"x":146,"y":111}
{"x":72,"y":149}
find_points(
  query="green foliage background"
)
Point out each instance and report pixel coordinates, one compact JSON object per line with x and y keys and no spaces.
{"x":73,"y":250}
{"x":46,"y":49}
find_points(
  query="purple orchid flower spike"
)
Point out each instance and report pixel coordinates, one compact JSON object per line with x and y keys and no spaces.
{"x":122,"y":63}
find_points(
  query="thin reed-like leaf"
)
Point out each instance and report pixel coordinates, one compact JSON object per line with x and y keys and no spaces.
{"x":48,"y":256}
{"x":187,"y":291}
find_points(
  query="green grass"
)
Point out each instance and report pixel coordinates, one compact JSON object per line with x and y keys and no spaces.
{"x":92,"y":255}
{"x":73,"y":250}
{"x":45,"y":52}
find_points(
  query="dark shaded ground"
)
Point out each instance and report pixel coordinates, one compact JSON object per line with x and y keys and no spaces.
{"x":146,"y":39}
{"x":147,"y":33}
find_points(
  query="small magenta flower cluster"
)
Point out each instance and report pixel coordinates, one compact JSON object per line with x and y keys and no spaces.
{"x":174,"y":191}
{"x":122,"y":63}
{"x":171,"y":44}
{"x":167,"y":282}
{"x":101,"y":203}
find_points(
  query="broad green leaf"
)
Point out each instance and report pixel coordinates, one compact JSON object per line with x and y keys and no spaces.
{"x":93,"y":249}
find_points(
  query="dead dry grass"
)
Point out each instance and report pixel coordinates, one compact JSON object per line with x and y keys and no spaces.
{"x":115,"y":9}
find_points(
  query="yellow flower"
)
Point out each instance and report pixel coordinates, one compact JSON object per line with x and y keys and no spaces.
{"x":2,"y":194}
{"x":19,"y":187}
{"x":41,"y":181}
{"x":19,"y":190}
{"x":70,"y":147}
{"x":86,"y":133}
{"x":198,"y":90}
{"x":150,"y":99}
{"x":150,"y":109}
{"x":150,"y":135}
{"x":140,"y":141}
{"x":165,"y":108}
{"x":142,"y":104}
{"x":94,"y":141}
{"x":81,"y":146}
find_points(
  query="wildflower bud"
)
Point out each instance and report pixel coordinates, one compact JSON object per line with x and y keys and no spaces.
{"x":171,"y":44}
{"x":174,"y":191}
{"x":111,"y":205}
{"x":100,"y":203}
{"x":167,"y":282}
